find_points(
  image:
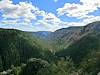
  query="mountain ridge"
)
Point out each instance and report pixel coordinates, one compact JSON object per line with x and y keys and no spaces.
{"x":80,"y":44}
{"x":62,"y":38}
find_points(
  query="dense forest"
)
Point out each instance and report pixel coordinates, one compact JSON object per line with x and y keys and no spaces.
{"x":68,"y":51}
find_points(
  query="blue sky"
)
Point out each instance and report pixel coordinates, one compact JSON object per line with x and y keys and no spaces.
{"x":47,"y":15}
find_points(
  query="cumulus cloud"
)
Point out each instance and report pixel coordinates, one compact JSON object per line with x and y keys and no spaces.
{"x":51,"y":18}
{"x":21,"y":10}
{"x":90,"y":19}
{"x":24,"y":15}
{"x":78,"y":10}
{"x":50,"y":22}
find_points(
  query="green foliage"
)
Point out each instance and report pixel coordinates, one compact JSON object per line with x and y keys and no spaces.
{"x":81,"y":44}
{"x":15,"y":70}
{"x":17,"y":47}
{"x":91,"y":63}
{"x":1,"y":65}
{"x":33,"y":66}
{"x":61,"y":67}
{"x":11,"y":56}
{"x":78,"y":50}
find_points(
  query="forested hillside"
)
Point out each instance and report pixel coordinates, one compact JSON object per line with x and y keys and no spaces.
{"x":68,"y":51}
{"x":17,"y":47}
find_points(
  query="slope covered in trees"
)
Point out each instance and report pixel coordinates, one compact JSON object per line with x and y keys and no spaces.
{"x":62,"y":38}
{"x":22,"y":53}
{"x":17,"y":47}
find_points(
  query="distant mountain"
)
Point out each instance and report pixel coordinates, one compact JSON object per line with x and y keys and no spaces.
{"x":95,"y":26}
{"x":88,"y":41}
{"x":80,"y":43}
{"x":42,"y":34}
{"x":62,"y":38}
{"x":85,"y":53}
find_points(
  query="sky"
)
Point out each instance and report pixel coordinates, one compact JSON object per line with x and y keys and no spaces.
{"x":47,"y":15}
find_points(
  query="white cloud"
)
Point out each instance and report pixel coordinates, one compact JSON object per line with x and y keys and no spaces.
{"x":50,"y":22}
{"x":50,"y":17}
{"x":24,"y":15}
{"x":79,"y":10}
{"x":22,"y":10}
{"x":95,"y":3}
{"x":9,"y":22}
{"x":90,"y":19}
